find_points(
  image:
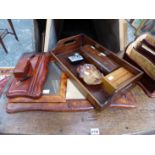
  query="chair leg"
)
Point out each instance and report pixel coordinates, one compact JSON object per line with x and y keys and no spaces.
{"x":12,"y":27}
{"x":3,"y":45}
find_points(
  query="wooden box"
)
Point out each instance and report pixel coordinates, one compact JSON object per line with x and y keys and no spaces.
{"x":98,"y":95}
{"x":116,"y":79}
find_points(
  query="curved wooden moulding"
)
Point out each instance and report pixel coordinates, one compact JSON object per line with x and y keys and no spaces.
{"x":125,"y":100}
{"x":68,"y":106}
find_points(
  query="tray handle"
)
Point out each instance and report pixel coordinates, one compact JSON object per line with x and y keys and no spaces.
{"x":69,"y":41}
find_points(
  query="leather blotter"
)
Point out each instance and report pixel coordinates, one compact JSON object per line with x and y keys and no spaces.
{"x":32,"y":85}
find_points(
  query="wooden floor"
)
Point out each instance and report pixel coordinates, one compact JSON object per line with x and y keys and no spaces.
{"x":139,"y":120}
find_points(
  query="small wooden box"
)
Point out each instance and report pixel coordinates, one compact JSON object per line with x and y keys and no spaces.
{"x":116,"y":79}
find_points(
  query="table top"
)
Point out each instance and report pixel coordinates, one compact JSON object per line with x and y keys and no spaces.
{"x":139,"y":120}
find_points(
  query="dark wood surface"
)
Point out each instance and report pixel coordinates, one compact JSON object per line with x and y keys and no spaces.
{"x":139,"y":120}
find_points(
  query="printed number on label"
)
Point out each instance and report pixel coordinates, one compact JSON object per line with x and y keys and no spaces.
{"x":94,"y":131}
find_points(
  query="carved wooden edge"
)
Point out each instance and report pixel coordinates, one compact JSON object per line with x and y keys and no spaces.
{"x":69,"y":106}
{"x":61,"y":97}
{"x":72,"y":105}
{"x":126,"y":100}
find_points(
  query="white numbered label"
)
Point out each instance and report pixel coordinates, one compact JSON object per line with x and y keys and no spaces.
{"x":94,"y":131}
{"x":46,"y":91}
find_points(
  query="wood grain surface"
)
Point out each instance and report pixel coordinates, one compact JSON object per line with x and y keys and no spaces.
{"x":109,"y":121}
{"x":118,"y":77}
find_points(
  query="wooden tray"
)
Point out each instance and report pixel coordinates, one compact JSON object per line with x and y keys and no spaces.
{"x":98,"y":95}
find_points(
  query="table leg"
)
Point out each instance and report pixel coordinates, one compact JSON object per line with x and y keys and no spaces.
{"x":3,"y":45}
{"x":12,"y":27}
